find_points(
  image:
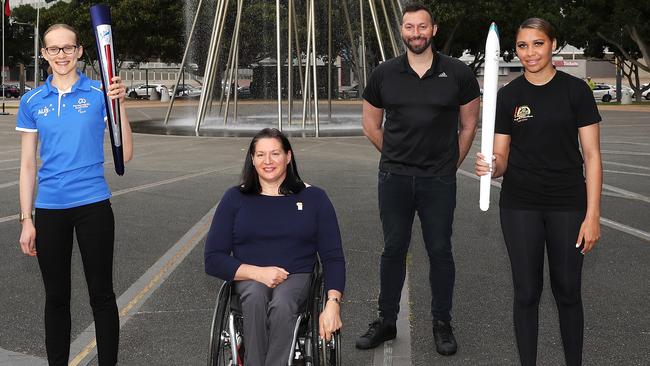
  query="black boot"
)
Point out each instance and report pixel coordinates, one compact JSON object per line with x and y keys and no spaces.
{"x":379,"y":331}
{"x":444,"y":336}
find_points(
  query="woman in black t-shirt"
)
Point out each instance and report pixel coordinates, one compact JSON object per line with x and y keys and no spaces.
{"x":545,"y":199}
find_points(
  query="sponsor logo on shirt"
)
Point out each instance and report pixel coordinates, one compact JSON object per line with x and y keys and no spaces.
{"x":442,"y":75}
{"x":43,"y":111}
{"x":522,"y":114}
{"x":299,"y":206}
{"x":81,"y":105}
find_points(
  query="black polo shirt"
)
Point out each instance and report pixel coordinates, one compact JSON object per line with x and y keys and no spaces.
{"x":421,"y":114}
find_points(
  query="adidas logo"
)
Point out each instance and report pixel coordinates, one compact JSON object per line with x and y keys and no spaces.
{"x":442,"y":75}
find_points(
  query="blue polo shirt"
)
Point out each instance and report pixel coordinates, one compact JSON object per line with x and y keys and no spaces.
{"x":70,"y":126}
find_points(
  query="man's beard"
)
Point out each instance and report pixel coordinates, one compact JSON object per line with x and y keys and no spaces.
{"x":417,"y":49}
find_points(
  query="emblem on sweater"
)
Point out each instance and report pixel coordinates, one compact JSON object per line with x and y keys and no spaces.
{"x":299,"y":206}
{"x":522,"y":114}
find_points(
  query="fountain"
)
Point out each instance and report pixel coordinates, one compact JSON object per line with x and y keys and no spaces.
{"x":221,"y":111}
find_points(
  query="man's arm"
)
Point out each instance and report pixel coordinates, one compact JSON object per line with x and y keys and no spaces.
{"x":372,"y":124}
{"x":468,"y":123}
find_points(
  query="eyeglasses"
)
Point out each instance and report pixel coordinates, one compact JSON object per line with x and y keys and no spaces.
{"x":53,"y":51}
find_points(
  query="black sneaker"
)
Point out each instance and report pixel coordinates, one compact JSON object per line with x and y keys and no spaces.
{"x":379,"y":332}
{"x":444,"y":336}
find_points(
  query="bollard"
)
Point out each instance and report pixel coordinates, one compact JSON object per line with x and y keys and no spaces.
{"x":626,"y":98}
{"x":153,"y":94}
{"x":164,"y":94}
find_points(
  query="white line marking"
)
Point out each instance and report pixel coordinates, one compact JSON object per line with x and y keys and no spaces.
{"x":603,"y":220}
{"x":624,"y":228}
{"x":145,"y":186}
{"x":624,"y":142}
{"x":9,"y":184}
{"x":8,"y":160}
{"x":627,"y":193}
{"x":633,"y":153}
{"x":626,"y":165}
{"x":628,"y":173}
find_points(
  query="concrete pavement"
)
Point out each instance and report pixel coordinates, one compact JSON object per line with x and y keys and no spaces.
{"x":174,"y":181}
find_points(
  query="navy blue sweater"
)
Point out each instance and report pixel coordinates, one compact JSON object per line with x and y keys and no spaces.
{"x":283,"y":231}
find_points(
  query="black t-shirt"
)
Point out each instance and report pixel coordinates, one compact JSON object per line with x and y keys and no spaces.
{"x":421,"y":126}
{"x":545,"y":164}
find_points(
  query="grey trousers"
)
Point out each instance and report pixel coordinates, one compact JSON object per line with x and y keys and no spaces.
{"x":269,"y":318}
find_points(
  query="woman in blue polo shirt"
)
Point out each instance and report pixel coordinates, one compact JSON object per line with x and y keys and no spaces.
{"x":66,"y":116}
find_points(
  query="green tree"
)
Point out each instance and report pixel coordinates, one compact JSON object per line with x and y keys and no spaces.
{"x":621,"y":27}
{"x":144,"y":29}
{"x":19,"y":35}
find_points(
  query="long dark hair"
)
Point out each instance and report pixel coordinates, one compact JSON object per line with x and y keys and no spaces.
{"x":250,"y":180}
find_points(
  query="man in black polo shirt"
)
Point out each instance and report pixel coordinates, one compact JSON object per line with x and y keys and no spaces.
{"x":424,"y":95}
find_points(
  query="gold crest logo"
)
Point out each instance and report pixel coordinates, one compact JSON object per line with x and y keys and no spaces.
{"x":522,"y":113}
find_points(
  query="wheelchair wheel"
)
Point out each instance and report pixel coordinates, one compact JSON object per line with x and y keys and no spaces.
{"x":330,"y":352}
{"x":314,"y":340}
{"x":220,"y":346}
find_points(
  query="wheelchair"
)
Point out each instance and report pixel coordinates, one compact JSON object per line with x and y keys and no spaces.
{"x":226,"y":347}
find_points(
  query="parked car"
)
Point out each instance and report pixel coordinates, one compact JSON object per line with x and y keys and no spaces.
{"x":10,"y":91}
{"x":604,"y":92}
{"x":244,"y":92}
{"x":349,"y":92}
{"x":143,"y":90}
{"x":186,"y":90}
{"x":646,"y":93}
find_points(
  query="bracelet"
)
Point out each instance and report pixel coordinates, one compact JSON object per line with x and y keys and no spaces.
{"x":335,"y":299}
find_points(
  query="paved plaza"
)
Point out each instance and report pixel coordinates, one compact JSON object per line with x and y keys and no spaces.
{"x":164,"y":205}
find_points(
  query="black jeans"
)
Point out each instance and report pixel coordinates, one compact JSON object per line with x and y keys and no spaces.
{"x":94,"y":225}
{"x":526,"y":234}
{"x":434,"y":199}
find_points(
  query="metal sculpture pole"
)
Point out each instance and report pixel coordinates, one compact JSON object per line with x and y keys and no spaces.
{"x":399,"y":4}
{"x":307,"y":61}
{"x":278,"y":63}
{"x":231,"y":57}
{"x":398,"y":20}
{"x":375,"y":22}
{"x":234,"y":47}
{"x":355,"y":51}
{"x":289,"y":63}
{"x":181,"y":70}
{"x":389,"y":28}
{"x":297,"y":44}
{"x":215,"y":68}
{"x":313,"y":59}
{"x":209,"y":72}
{"x":329,"y":59}
{"x":363,"y":45}
{"x":236,"y":78}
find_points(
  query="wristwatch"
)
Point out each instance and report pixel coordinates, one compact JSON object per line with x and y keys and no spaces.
{"x":335,"y":299}
{"x":24,"y":216}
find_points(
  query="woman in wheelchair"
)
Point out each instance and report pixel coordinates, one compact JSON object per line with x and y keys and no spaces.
{"x":267,"y":235}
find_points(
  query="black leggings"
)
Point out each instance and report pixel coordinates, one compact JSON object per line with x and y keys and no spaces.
{"x":94,"y":225}
{"x":526,"y":233}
